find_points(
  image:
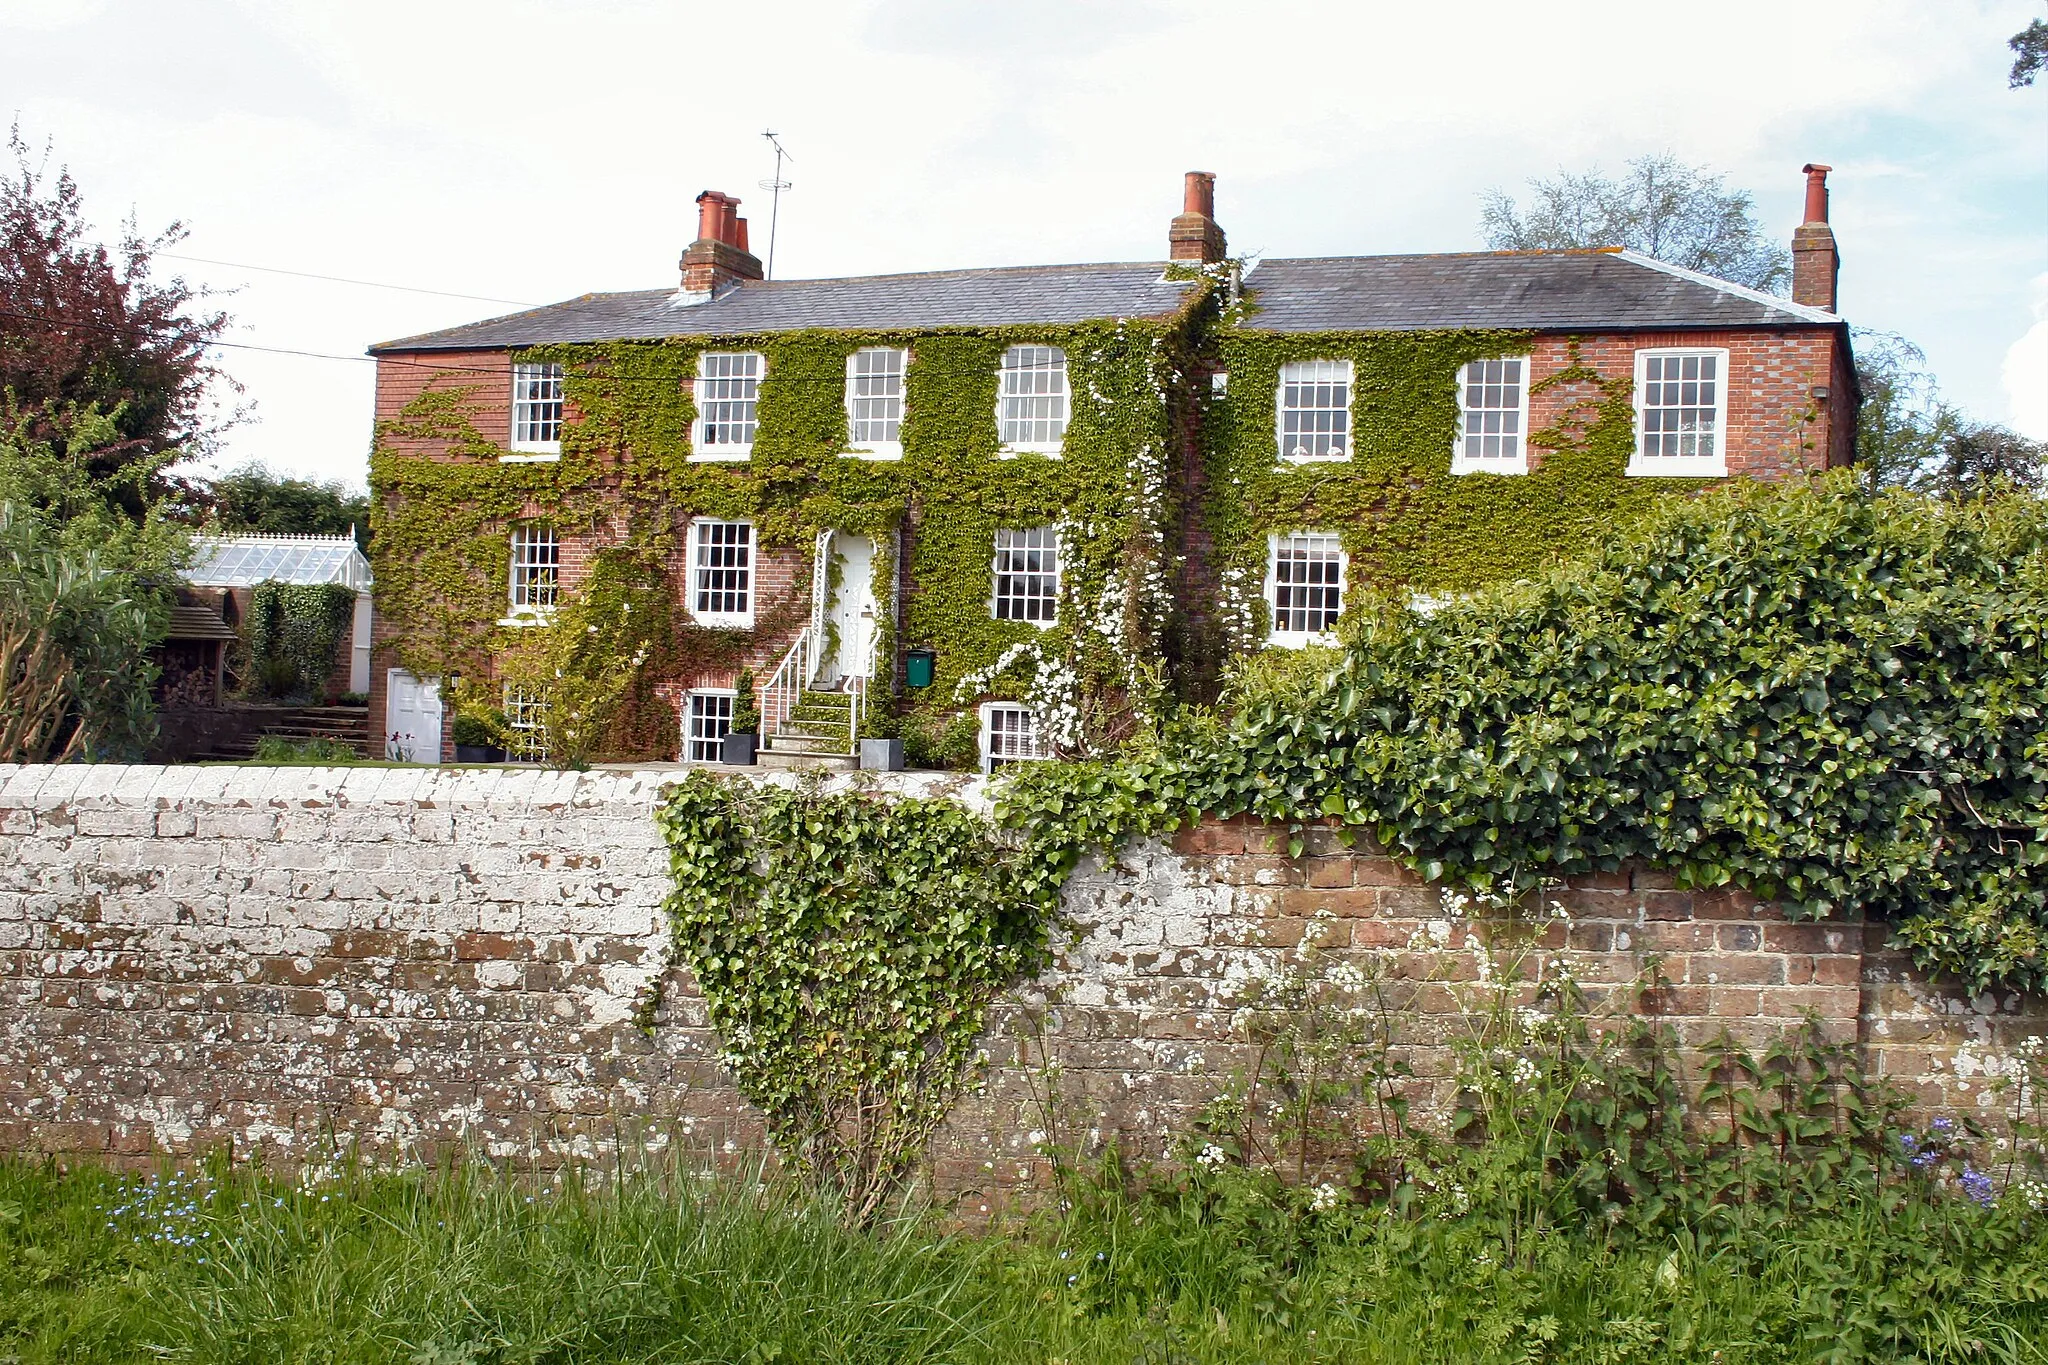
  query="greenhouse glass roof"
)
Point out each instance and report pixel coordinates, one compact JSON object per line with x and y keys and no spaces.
{"x":244,"y":561}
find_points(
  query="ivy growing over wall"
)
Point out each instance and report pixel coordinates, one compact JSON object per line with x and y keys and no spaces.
{"x":292,"y":631}
{"x":625,"y":479}
{"x":1405,"y":519}
{"x":848,"y":948}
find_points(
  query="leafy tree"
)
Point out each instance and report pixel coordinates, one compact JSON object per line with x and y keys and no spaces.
{"x":88,"y":336}
{"x":1660,"y":207}
{"x":253,"y":498}
{"x":1908,"y":437}
{"x":85,"y":594}
{"x":2030,"y":53}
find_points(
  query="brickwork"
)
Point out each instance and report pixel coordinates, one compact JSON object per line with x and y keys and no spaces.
{"x":782,"y":573}
{"x":193,"y":958}
{"x":1777,"y":426}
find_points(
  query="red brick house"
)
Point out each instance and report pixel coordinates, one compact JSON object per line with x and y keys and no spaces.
{"x":1076,"y":487}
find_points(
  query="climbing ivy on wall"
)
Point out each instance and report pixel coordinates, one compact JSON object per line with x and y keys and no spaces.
{"x":848,"y":947}
{"x":1405,"y":520}
{"x":292,"y":631}
{"x":625,"y":477}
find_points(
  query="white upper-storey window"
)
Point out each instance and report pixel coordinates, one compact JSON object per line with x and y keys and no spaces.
{"x":1493,"y":417}
{"x":1010,"y":734}
{"x":722,"y":573}
{"x":1681,"y":413}
{"x":1031,"y":405}
{"x":1305,"y":586}
{"x":728,"y":394}
{"x":536,"y":569}
{"x":1315,"y":410}
{"x":874,"y":401}
{"x":1026,"y":576}
{"x":537,"y":409}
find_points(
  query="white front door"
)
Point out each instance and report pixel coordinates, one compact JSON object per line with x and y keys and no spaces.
{"x":412,"y":718}
{"x":851,"y":613}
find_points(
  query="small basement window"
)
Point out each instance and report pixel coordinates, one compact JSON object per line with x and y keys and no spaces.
{"x":525,"y":718}
{"x":706,"y":724}
{"x":1009,"y":734}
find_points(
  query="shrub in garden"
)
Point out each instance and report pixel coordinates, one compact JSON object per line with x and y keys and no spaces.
{"x":1833,"y":700}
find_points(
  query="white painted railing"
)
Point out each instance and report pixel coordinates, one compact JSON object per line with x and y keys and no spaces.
{"x":784,"y":690}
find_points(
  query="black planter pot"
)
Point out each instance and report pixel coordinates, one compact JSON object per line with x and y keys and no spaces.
{"x":738,"y":750}
{"x":479,"y":753}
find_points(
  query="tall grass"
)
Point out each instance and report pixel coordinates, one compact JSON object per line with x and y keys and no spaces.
{"x":465,"y":1266}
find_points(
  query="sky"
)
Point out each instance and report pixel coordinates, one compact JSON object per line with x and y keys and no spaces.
{"x":524,"y":152}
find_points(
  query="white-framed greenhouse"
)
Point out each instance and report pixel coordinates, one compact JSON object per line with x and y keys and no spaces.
{"x":243,"y":561}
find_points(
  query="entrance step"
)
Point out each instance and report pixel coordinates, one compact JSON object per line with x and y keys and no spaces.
{"x":790,"y":759}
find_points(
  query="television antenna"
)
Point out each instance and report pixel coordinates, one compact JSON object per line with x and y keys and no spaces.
{"x":775,"y":186}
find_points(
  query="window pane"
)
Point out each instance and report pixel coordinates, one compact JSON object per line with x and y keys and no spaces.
{"x":1032,"y":401}
{"x":536,"y":566}
{"x":536,"y":404}
{"x":874,"y":396}
{"x":728,"y":392}
{"x":1681,"y":396}
{"x":1308,"y":584}
{"x":1490,"y":414}
{"x":1027,"y":575}
{"x":722,"y":563}
{"x":709,"y":722}
{"x":1315,"y":410}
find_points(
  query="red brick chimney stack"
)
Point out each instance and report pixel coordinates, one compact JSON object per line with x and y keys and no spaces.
{"x":1195,"y":235}
{"x":719,"y":257}
{"x":1815,"y":261}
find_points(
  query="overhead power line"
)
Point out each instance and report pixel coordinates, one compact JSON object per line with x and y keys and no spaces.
{"x":342,"y":279}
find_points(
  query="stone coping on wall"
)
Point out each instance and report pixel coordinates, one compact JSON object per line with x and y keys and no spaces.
{"x":266,"y":958}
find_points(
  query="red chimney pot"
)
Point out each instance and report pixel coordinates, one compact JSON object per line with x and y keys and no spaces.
{"x":1817,"y":192}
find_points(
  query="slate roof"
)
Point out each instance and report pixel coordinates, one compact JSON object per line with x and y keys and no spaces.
{"x":1605,"y":290}
{"x":246,"y":560}
{"x":1521,"y":290}
{"x":949,"y":298}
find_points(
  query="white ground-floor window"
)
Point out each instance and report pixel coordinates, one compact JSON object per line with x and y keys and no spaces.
{"x":1010,"y":734}
{"x":1305,"y":586}
{"x":525,"y":713}
{"x":707,"y":720}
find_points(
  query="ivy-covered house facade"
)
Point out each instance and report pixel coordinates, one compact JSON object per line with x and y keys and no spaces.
{"x":1005,"y":513}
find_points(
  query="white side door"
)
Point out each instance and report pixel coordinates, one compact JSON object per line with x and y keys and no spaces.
{"x":359,"y":647}
{"x":853,"y":608}
{"x":412,"y":718}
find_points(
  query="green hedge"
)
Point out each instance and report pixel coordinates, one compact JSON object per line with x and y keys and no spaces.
{"x":1832,"y":701}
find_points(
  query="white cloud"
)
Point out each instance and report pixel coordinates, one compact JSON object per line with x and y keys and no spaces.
{"x":2026,"y":371}
{"x":535,"y":150}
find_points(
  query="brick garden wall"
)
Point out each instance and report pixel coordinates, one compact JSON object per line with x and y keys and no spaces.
{"x":195,"y":958}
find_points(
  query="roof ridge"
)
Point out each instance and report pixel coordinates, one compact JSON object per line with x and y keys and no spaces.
{"x":1741,"y":291}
